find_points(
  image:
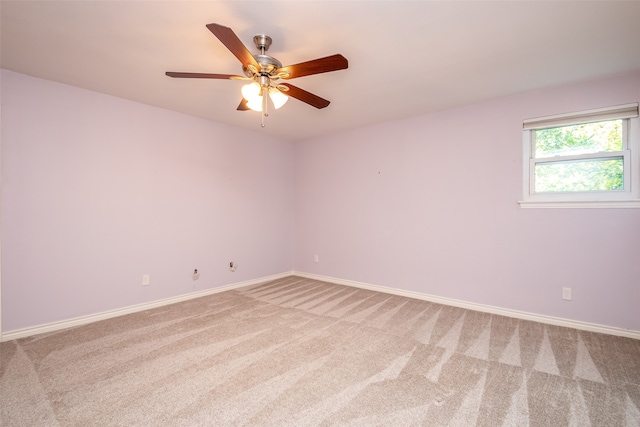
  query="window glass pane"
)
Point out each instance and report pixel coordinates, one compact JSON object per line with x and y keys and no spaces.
{"x":584,"y":175}
{"x":579,"y":139}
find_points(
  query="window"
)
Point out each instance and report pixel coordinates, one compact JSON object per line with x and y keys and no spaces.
{"x":585,"y":159}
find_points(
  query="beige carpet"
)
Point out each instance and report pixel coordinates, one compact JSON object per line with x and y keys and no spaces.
{"x":298,"y":352}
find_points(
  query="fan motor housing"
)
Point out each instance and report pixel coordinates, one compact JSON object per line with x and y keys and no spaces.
{"x":267,"y":63}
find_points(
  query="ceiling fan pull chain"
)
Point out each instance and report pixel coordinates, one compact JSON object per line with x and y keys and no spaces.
{"x":265,"y":103}
{"x":264,"y":106}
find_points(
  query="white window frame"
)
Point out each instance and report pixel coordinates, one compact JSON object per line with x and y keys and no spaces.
{"x":629,"y":197}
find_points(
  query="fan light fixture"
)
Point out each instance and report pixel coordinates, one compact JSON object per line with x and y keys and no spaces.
{"x":278,"y":98}
{"x":253,"y":93}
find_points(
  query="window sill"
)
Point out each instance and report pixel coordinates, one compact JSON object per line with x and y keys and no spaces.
{"x":581,"y":205}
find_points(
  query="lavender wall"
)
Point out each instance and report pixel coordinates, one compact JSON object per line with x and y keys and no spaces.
{"x":429,"y":204}
{"x":98,"y":191}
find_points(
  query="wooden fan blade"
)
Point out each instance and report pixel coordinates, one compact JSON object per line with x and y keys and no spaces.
{"x":243,"y":105}
{"x":306,"y":97}
{"x":316,"y":66}
{"x":233,"y":43}
{"x":203,"y":76}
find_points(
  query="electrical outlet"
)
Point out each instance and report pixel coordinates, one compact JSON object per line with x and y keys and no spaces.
{"x":146,"y":280}
{"x":233,"y":266}
{"x":316,"y":258}
{"x":196,"y":275}
{"x":566,"y":294}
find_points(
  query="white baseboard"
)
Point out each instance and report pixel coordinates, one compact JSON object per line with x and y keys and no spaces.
{"x":83,"y":320}
{"x":550,"y":320}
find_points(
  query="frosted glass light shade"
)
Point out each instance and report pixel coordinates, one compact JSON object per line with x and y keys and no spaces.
{"x":255,"y":104}
{"x":278,"y":98}
{"x":251,"y":91}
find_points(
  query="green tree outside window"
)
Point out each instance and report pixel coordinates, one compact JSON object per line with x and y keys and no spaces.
{"x":579,"y":175}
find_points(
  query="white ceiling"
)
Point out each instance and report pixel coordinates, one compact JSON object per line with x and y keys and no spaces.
{"x":406,"y":58}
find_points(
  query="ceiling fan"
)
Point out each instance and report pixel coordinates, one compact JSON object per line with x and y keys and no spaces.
{"x":264,"y":71}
